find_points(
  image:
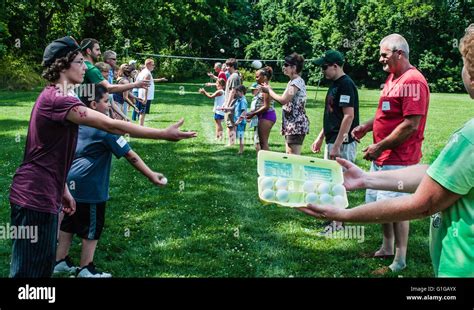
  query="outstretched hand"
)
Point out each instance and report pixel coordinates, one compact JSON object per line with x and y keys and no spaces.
{"x":173,"y":133}
{"x":354,"y":177}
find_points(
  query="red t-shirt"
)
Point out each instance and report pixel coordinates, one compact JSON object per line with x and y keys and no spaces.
{"x":222,"y":75}
{"x":38,"y":183}
{"x":407,"y":95}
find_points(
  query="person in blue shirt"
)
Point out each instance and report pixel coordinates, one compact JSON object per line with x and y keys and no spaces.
{"x":240,"y":114}
{"x":88,"y":182}
{"x":239,"y":107}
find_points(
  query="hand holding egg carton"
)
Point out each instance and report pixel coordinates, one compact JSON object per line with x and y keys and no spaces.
{"x":295,"y":181}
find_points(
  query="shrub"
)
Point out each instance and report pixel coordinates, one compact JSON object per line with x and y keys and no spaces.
{"x":18,"y":73}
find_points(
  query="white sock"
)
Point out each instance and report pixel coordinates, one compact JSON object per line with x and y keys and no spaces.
{"x":397,"y":265}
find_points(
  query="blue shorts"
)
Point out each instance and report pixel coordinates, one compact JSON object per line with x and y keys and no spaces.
{"x":240,"y":129}
{"x":218,"y":116}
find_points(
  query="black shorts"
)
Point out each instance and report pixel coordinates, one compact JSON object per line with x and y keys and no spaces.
{"x":34,"y":257}
{"x":294,"y":139}
{"x":87,"y":222}
{"x":144,"y":108}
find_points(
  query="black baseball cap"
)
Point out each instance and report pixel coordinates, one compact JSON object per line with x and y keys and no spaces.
{"x":60,"y":48}
{"x":330,"y":57}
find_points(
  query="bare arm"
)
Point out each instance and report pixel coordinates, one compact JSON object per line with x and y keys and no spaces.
{"x":429,"y":199}
{"x":135,"y":160}
{"x":401,"y":180}
{"x":262,"y":109}
{"x":120,"y":88}
{"x":360,"y":131}
{"x":399,"y":135}
{"x":117,"y":110}
{"x":283,"y":99}
{"x":82,"y":115}
{"x":126,"y":96}
{"x":343,"y":132}
{"x":214,"y":95}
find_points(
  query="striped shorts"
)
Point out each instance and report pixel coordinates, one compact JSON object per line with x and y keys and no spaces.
{"x":33,"y":258}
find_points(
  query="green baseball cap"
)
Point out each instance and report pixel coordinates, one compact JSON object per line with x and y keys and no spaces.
{"x":330,"y":57}
{"x":253,"y":86}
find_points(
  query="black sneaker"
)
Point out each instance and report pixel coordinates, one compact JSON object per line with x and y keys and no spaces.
{"x":90,"y":271}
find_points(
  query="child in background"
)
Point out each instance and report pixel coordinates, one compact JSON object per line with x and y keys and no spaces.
{"x":254,"y":120}
{"x":114,"y":111}
{"x":219,"y":97}
{"x":90,"y":174}
{"x":240,"y":113}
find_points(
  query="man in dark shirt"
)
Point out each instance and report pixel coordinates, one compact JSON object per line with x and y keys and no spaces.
{"x":341,"y":114}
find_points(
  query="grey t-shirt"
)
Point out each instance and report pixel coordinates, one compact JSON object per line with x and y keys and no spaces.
{"x":88,"y":179}
{"x":232,"y":82}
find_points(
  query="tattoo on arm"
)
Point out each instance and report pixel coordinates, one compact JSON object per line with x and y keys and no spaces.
{"x":82,"y":114}
{"x":134,"y":160}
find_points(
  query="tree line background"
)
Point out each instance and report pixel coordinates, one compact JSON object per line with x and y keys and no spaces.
{"x":262,"y":29}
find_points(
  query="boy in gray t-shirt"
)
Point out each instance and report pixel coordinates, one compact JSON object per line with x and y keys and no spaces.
{"x":88,"y":182}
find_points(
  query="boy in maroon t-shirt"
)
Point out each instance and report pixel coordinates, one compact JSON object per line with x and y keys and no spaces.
{"x":38,"y":191}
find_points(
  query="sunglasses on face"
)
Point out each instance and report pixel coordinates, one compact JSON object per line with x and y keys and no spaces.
{"x":325,"y":66}
{"x":287,"y":64}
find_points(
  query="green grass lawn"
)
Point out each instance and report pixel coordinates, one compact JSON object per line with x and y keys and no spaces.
{"x":208,"y":221}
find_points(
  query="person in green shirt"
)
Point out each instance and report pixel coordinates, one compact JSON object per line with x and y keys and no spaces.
{"x":93,"y":75}
{"x":444,"y":191}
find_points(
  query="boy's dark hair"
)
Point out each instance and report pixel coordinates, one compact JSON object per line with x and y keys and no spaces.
{"x":98,"y":93}
{"x":51,"y":73}
{"x":88,"y":43}
{"x":295,"y":60}
{"x":241,"y":88}
{"x":231,"y":62}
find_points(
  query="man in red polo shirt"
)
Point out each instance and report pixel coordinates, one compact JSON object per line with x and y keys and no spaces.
{"x":220,"y":73}
{"x":398,"y":129}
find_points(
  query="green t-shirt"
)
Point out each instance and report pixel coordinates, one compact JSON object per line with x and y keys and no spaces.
{"x":452,"y":230}
{"x":93,"y":75}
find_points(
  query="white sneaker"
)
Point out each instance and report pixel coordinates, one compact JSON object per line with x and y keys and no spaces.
{"x":65,"y":266}
{"x":89,"y":271}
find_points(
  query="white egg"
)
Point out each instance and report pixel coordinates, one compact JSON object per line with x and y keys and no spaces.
{"x":266,"y":183}
{"x":222,"y":50}
{"x":164,"y":181}
{"x":312,"y":198}
{"x":338,"y":189}
{"x":283,"y":195}
{"x":281,"y":184}
{"x":268,"y":194}
{"x":309,"y":186}
{"x":324,"y":188}
{"x":339,"y":201}
{"x":325,"y":199}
